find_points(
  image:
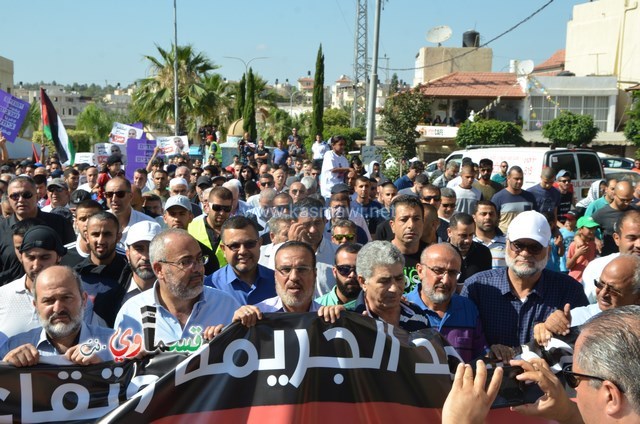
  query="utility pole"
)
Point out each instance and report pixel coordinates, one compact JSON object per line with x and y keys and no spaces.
{"x":373,"y":84}
{"x":360,"y":60}
{"x":175,"y":64}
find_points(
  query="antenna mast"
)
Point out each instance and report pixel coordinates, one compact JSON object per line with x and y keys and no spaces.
{"x":360,"y":60}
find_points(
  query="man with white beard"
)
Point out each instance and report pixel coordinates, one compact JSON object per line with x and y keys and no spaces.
{"x":60,"y":301}
{"x":512,"y":300}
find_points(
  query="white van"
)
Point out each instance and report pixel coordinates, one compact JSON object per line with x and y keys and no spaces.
{"x":584,"y":164}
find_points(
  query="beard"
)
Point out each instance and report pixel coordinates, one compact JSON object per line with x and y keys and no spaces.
{"x":292,"y":301}
{"x":144,"y":273}
{"x":525,"y":270}
{"x":348,"y":289}
{"x":185,"y":292}
{"x":435,"y":296}
{"x":62,"y":329}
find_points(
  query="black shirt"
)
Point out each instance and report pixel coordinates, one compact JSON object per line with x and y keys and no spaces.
{"x":10,"y":266}
{"x":478,"y":259}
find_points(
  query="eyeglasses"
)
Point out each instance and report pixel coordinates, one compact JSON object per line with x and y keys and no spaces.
{"x":235,"y":247}
{"x":187,"y":263}
{"x":345,"y":270}
{"x":564,"y":181}
{"x":600,"y":285}
{"x":266,"y":183}
{"x":532,"y":248}
{"x":573,"y":378}
{"x":120,"y":194}
{"x":348,"y":237}
{"x":432,"y":198}
{"x":441,"y":272}
{"x":24,"y":195}
{"x":448,"y":205}
{"x":218,"y":208}
{"x":55,"y":189}
{"x":285,"y":271}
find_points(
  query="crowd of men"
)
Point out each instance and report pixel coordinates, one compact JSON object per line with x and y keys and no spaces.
{"x":468,"y":252}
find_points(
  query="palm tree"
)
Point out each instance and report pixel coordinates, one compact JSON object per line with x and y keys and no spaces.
{"x":216,"y":106}
{"x":96,"y":122}
{"x":153,"y":100}
{"x":32,"y":120}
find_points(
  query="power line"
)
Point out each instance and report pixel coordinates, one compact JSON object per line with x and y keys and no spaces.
{"x":540,"y":9}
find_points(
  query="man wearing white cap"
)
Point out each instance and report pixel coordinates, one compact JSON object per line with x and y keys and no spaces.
{"x":180,"y":186}
{"x":512,"y":300}
{"x":177,"y":214}
{"x":137,"y":242}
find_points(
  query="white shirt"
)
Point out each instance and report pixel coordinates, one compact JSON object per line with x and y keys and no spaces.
{"x":266,"y":251}
{"x":581,"y":314}
{"x":133,"y":219}
{"x":319,"y":150}
{"x":327,"y":178}
{"x":592,"y":272}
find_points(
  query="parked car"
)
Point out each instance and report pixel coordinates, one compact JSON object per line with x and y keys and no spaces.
{"x":583,"y":164}
{"x":617,"y":162}
{"x":622,"y":174}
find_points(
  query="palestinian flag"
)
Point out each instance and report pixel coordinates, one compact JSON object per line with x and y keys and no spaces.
{"x":54,"y":130}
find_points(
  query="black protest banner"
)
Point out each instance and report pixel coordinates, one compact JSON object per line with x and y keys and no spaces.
{"x":297,"y":368}
{"x":69,"y":394}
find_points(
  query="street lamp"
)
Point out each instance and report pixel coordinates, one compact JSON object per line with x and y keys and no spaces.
{"x":245,"y":63}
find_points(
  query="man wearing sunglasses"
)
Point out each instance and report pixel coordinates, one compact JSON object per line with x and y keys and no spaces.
{"x":347,"y":288}
{"x":179,"y":298}
{"x":343,"y":231}
{"x":207,"y":230}
{"x":617,"y":286}
{"x":23,"y":200}
{"x":242,"y":278}
{"x":512,"y":300}
{"x":118,"y":194}
{"x":58,"y":194}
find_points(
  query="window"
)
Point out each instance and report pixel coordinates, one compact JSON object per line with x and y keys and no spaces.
{"x":589,"y":166}
{"x":543,"y":110}
{"x":563,"y":161}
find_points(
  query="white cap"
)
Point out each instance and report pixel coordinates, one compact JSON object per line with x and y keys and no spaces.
{"x":530,"y":225}
{"x":142,"y":231}
{"x":178,"y":200}
{"x":178,"y":181}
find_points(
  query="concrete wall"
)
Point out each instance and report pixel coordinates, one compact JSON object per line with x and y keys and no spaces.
{"x":6,"y":75}
{"x":479,"y":60}
{"x":603,"y":38}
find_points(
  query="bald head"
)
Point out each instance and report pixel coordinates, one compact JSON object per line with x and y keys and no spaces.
{"x":57,"y":275}
{"x":622,"y":195}
{"x":441,"y":250}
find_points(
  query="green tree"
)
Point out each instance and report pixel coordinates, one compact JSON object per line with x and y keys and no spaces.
{"x":569,"y":128}
{"x":318,"y":96}
{"x":336,"y":117}
{"x":632,"y":127}
{"x":96,"y":122}
{"x":216,"y":105}
{"x":489,"y":132}
{"x":394,"y":85}
{"x":249,"y":116}
{"x":241,"y":96}
{"x":400,"y":115}
{"x":277,"y":126}
{"x":32,"y":120}
{"x":153,"y":100}
{"x":80,"y":140}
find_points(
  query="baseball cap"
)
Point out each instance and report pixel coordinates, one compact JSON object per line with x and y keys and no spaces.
{"x":58,"y":182}
{"x":218,"y":177}
{"x":79,"y":196}
{"x":114,"y":159}
{"x":530,"y":225}
{"x":204,"y":180}
{"x":142,"y":231}
{"x":563,"y":173}
{"x":339,"y":188}
{"x":178,"y":200}
{"x":571,"y":215}
{"x":587,"y":221}
{"x":57,"y":173}
{"x":43,"y":237}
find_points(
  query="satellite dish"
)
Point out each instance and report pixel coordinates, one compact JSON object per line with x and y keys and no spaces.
{"x":525,"y":67}
{"x":438,"y":34}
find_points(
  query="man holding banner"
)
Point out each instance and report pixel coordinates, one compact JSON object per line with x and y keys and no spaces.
{"x":60,"y":301}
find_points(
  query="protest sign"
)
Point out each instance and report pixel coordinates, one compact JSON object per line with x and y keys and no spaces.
{"x":85,"y":157}
{"x":104,"y":150}
{"x":173,"y":145}
{"x":139,"y":154}
{"x":120,"y":133}
{"x":12,"y":114}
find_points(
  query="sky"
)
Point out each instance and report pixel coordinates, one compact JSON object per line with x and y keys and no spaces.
{"x":90,"y":41}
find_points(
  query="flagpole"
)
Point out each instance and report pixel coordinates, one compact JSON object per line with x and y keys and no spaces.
{"x":175,"y":64}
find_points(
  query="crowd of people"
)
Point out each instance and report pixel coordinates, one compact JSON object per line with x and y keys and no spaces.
{"x":85,"y":250}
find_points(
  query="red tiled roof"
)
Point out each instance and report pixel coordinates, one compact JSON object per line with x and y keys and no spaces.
{"x":555,"y":61}
{"x":474,"y":84}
